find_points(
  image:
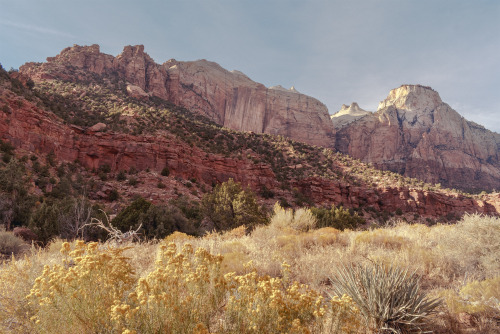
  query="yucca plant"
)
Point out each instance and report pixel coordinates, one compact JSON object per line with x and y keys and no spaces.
{"x":389,"y":298}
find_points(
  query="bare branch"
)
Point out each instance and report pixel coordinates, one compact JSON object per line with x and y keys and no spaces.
{"x":115,"y":235}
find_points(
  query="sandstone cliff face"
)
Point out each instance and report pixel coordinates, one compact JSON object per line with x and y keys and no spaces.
{"x":35,"y":130}
{"x":415,"y":134}
{"x":228,"y":98}
{"x":235,"y":101}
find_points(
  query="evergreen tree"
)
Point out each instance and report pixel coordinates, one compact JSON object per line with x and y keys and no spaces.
{"x":229,"y":206}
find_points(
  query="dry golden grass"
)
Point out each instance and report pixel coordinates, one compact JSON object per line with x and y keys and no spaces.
{"x":458,"y":262}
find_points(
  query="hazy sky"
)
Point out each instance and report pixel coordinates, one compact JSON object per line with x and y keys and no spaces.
{"x":335,"y":51}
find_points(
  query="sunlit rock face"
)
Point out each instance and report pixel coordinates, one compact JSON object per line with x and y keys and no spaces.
{"x":229,"y":98}
{"x":347,"y":115}
{"x":416,"y":134}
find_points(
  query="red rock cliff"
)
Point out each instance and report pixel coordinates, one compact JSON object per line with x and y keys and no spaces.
{"x":36,"y":130}
{"x":415,"y":134}
{"x":229,"y":98}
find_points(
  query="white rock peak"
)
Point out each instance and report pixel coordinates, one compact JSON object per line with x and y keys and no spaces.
{"x":412,"y":97}
{"x":348,"y":114}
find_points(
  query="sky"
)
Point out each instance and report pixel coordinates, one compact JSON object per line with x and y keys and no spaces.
{"x":336,"y":51}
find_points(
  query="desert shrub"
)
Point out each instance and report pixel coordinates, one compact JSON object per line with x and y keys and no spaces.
{"x":133,"y":181}
{"x":344,"y":316}
{"x":178,"y":237}
{"x":63,"y":189}
{"x":300,"y":220}
{"x":338,"y":218}
{"x":14,"y":182}
{"x":235,"y":233}
{"x":301,"y":199}
{"x":165,"y":171}
{"x":185,"y":290}
{"x":51,"y":158}
{"x":61,"y":170}
{"x":161,"y":220}
{"x":389,"y":298}
{"x":261,"y":304}
{"x":266,"y":192}
{"x":235,"y":262}
{"x":156,"y":221}
{"x":65,"y":218}
{"x":77,"y":296}
{"x":191,"y":209}
{"x":6,"y":147}
{"x":474,"y":235}
{"x":236,"y":255}
{"x":113,"y":195}
{"x":10,"y":244}
{"x":322,"y":237}
{"x":229,"y":206}
{"x":16,"y":280}
{"x":45,"y":221}
{"x":75,"y":216}
{"x":475,"y":297}
{"x":121,"y":176}
{"x":105,"y":168}
{"x":380,"y":238}
{"x":128,"y":217}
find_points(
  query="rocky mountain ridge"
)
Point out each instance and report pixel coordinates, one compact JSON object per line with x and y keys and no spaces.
{"x":230,"y":99}
{"x":416,"y":134}
{"x":347,"y":115}
{"x":413,"y":132}
{"x":290,"y":171}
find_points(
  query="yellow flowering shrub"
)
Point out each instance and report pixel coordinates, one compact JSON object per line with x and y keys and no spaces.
{"x":235,"y":262}
{"x":475,"y":297}
{"x":182,"y":295}
{"x":237,"y":232}
{"x":262,"y":304}
{"x":16,"y":280}
{"x":344,"y":317}
{"x":177,"y":237}
{"x":77,"y":296}
{"x":95,"y":290}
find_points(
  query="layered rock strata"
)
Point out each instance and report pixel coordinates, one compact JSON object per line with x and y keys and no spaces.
{"x":35,"y":130}
{"x":230,"y":99}
{"x":416,"y":134}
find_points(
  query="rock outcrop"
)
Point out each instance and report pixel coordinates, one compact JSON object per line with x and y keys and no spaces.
{"x":35,"y":130}
{"x":347,"y":115}
{"x":228,"y":98}
{"x":415,"y":134}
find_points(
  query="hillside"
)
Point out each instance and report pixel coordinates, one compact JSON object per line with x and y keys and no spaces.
{"x":59,"y":117}
{"x":413,"y":133}
{"x":77,"y":144}
{"x":230,"y":99}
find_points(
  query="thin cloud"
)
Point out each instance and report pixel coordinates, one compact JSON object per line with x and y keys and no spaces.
{"x":35,"y":29}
